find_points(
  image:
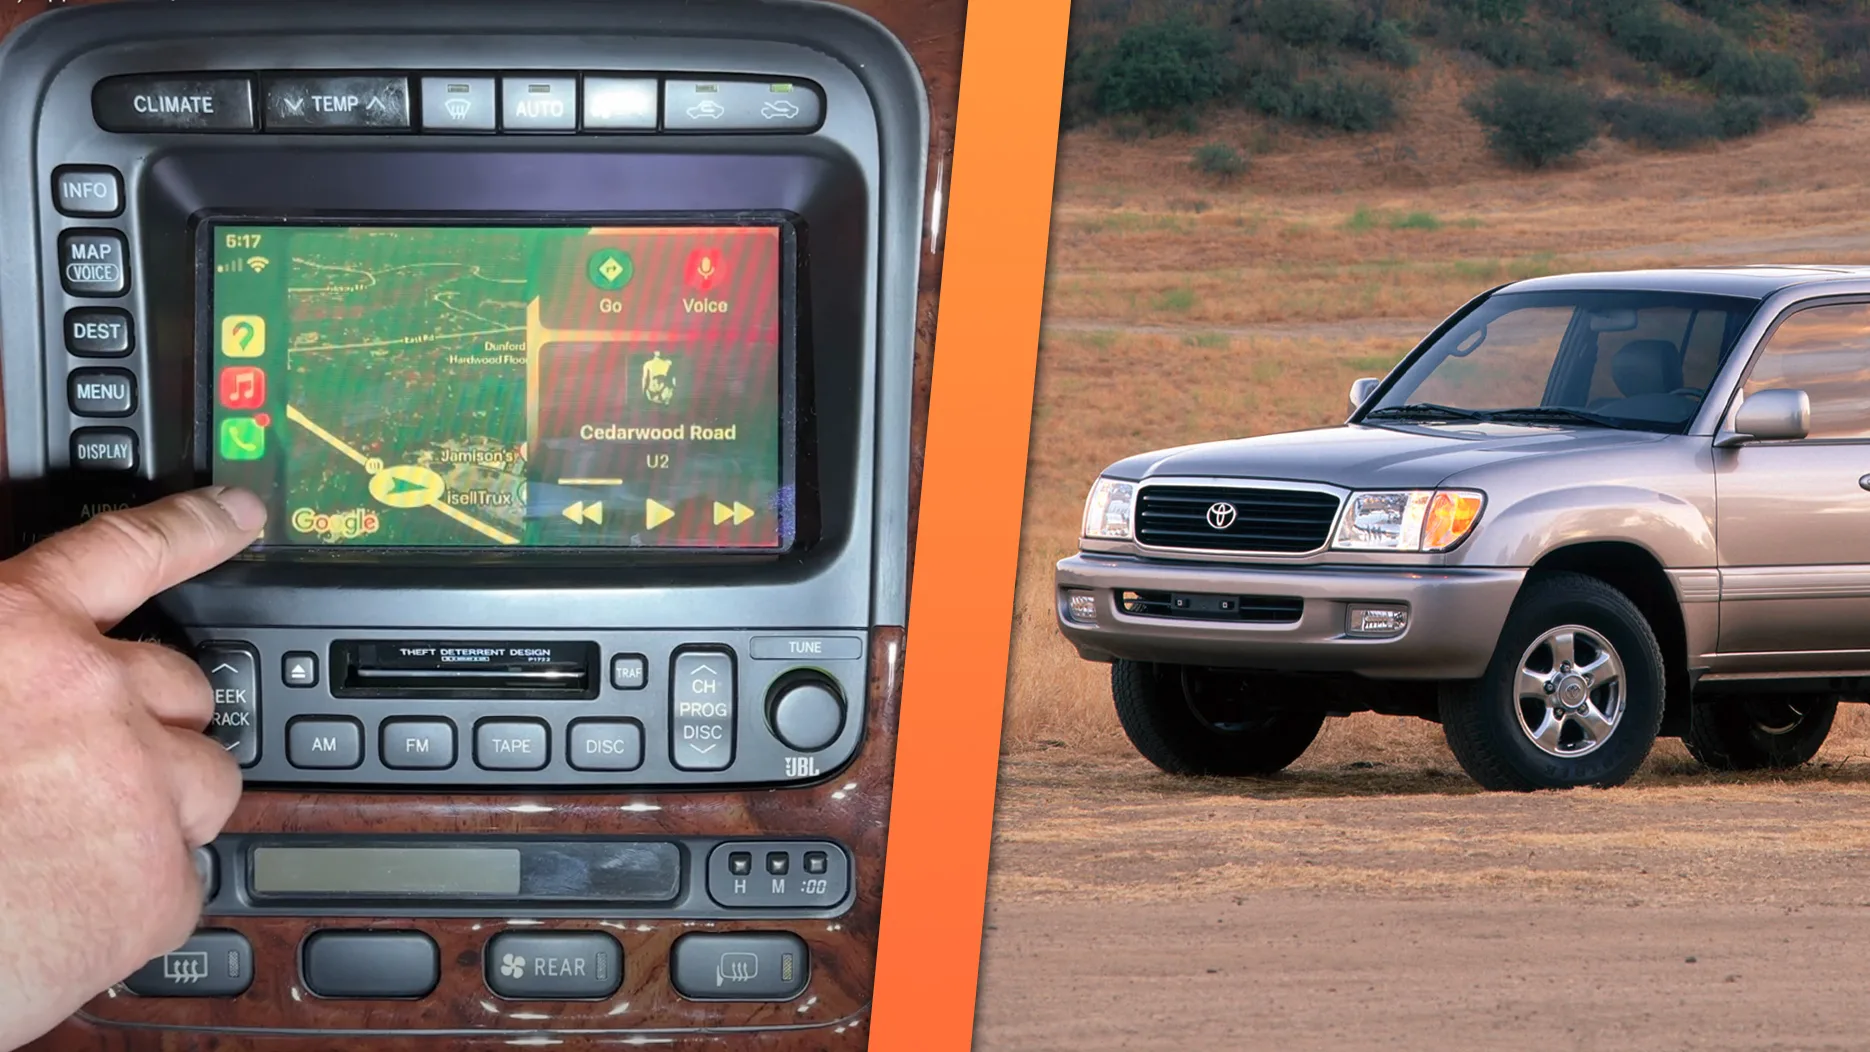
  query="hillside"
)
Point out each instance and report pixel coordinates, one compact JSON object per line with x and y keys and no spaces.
{"x":1530,"y":82}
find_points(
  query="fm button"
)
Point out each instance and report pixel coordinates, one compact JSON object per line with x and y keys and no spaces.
{"x":233,"y":673}
{"x":701,"y":709}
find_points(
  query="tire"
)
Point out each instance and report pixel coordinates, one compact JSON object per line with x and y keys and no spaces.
{"x":1194,"y":721}
{"x":1507,"y":738}
{"x":1756,"y":732}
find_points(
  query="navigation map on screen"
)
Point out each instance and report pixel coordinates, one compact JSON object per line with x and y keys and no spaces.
{"x":502,"y":386}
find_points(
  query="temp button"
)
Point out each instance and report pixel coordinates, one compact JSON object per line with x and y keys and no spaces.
{"x":701,"y":710}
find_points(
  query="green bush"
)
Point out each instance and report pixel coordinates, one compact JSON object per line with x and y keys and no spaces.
{"x":1667,"y":124}
{"x":1337,"y":101}
{"x":1563,"y":49}
{"x":1384,"y":40}
{"x":1497,"y":12}
{"x":1650,"y":35}
{"x":1218,"y":159}
{"x":1534,"y":122}
{"x":1306,"y":23}
{"x":1743,"y":72}
{"x":1160,"y":66}
{"x":1506,"y":46}
{"x":1735,"y":117}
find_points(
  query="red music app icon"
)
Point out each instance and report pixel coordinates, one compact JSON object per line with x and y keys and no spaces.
{"x":243,"y":387}
{"x":704,"y":269}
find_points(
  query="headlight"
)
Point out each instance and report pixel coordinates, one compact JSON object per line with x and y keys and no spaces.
{"x":1107,"y":511}
{"x":1407,"y":520}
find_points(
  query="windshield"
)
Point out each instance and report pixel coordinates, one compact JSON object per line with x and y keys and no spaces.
{"x":1634,"y":360}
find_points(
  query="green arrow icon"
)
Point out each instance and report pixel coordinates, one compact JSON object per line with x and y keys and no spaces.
{"x":610,"y":269}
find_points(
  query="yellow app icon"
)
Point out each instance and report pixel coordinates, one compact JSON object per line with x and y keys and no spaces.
{"x":243,"y":336}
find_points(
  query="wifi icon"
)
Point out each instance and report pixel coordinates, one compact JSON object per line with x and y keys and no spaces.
{"x":258,"y":264}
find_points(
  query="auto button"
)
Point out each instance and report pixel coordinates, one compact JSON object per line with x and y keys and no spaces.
{"x":701,"y":710}
{"x":233,"y":673}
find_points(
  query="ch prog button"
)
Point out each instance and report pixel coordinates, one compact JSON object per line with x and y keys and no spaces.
{"x":702,"y":710}
{"x":233,"y":673}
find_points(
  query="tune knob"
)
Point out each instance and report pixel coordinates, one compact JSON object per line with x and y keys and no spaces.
{"x":807,"y":712}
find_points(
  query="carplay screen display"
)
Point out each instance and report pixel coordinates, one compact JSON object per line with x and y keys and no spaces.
{"x":442,"y":387}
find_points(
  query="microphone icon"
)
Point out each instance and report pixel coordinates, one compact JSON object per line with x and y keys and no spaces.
{"x":704,"y":268}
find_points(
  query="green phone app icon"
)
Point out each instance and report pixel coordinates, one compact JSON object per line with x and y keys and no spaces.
{"x":242,"y":438}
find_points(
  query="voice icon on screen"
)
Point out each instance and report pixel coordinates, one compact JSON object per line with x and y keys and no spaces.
{"x":704,"y":269}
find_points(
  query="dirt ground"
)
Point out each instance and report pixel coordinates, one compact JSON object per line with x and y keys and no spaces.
{"x":1371,"y":907}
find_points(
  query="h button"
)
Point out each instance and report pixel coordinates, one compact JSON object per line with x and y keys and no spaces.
{"x":702,"y":710}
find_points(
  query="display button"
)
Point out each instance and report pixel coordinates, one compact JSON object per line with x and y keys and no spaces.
{"x":324,"y":744}
{"x":458,"y":104}
{"x":739,"y":966}
{"x":377,"y":964}
{"x":170,"y":103}
{"x":103,"y":449}
{"x":209,"y":964}
{"x":629,"y":672}
{"x":554,"y":966}
{"x":606,"y":745}
{"x":510,"y":745}
{"x":344,"y":103}
{"x":91,"y":192}
{"x":93,"y":263}
{"x":418,"y":744}
{"x":99,"y":332}
{"x":299,"y":669}
{"x":233,"y":673}
{"x":539,"y":104}
{"x":620,"y":103}
{"x":702,"y":710}
{"x":741,"y":105}
{"x":101,"y":392}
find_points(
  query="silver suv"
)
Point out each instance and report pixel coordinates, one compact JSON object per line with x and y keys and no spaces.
{"x":1585,"y":511}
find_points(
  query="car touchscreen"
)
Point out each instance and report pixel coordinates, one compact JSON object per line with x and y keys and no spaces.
{"x":451,"y":386}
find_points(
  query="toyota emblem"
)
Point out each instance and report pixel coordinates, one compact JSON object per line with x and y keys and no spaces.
{"x":1221,"y":516}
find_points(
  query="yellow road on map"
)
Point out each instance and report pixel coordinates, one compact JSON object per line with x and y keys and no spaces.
{"x":401,"y":485}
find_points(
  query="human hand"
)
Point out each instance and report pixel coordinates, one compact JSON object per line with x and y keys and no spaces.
{"x":107,"y":782}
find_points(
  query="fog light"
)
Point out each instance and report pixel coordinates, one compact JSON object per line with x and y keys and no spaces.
{"x":1082,"y":608}
{"x":1378,"y":620}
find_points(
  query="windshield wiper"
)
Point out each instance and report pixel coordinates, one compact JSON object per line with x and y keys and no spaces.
{"x":1425,"y":411}
{"x":1556,"y":414}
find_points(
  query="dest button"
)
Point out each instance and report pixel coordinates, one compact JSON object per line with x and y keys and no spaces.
{"x":554,"y":966}
{"x":209,"y":964}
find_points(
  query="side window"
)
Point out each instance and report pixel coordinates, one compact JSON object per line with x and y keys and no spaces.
{"x":1825,"y":352}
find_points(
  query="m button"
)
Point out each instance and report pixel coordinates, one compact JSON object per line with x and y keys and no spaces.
{"x":233,"y":673}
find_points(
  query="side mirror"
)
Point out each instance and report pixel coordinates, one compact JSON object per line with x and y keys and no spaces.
{"x":1361,"y":390}
{"x":1769,"y":416}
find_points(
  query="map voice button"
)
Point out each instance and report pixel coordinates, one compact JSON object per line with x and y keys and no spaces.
{"x":702,"y":710}
{"x":233,"y":674}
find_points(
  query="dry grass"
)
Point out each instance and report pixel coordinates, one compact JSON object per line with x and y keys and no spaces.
{"x":1181,"y":310}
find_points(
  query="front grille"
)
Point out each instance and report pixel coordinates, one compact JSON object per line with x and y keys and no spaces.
{"x":1274,"y":521}
{"x":1254,"y":609}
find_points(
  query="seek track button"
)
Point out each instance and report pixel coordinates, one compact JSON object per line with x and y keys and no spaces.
{"x":233,"y":673}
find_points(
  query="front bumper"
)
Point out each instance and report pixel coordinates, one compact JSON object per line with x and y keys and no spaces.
{"x":1455,"y":616}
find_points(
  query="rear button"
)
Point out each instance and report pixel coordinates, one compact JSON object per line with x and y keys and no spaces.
{"x":554,"y":966}
{"x":209,"y":964}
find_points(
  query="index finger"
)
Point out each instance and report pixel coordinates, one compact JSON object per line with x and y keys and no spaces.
{"x":113,"y":563}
